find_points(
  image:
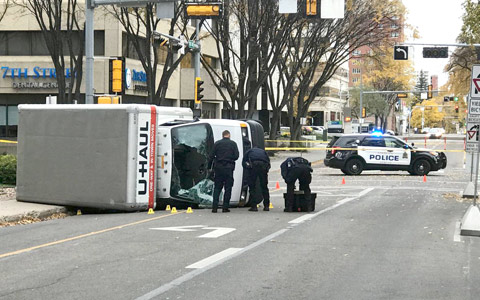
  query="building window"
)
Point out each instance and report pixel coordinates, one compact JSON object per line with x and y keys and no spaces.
{"x":354,"y":79}
{"x":332,"y":116}
{"x":357,"y":52}
{"x":32,"y":43}
{"x":393,"y":26}
{"x":394,"y":34}
{"x":356,"y":71}
{"x":128,"y":48}
{"x":8,"y":121}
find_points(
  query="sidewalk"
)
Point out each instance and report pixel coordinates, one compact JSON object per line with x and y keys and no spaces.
{"x":13,"y":211}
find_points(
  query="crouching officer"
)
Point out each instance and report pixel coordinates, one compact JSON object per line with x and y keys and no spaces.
{"x":257,"y":163}
{"x":224,"y":155}
{"x":294,"y":168}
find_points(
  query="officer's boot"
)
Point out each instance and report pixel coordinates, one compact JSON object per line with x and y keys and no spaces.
{"x":266,"y":205}
{"x":254,"y":207}
{"x":288,"y":205}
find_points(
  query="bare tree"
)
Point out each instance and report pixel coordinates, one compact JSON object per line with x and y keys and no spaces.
{"x":140,"y":24}
{"x":249,"y":41}
{"x":4,"y":7}
{"x":62,"y":38}
{"x":330,"y":43}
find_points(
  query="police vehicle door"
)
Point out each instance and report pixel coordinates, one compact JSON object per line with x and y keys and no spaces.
{"x":397,"y":148}
{"x":373,"y":150}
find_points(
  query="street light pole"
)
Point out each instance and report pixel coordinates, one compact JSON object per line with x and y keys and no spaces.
{"x":89,"y":11}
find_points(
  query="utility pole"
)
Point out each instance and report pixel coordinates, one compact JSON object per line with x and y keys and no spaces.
{"x":196,"y":62}
{"x":89,"y":11}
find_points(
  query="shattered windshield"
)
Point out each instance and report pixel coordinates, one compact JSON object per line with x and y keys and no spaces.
{"x":192,"y":145}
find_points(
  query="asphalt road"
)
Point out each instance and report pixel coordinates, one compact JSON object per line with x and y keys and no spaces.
{"x":381,"y":235}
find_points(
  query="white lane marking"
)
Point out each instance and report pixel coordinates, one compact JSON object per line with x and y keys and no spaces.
{"x":176,"y":282}
{"x":217,"y":231}
{"x":339,"y":203}
{"x":380,"y":187}
{"x":214,"y":258}
{"x":322,"y":195}
{"x":179,"y":228}
{"x":456,"y":234}
{"x":180,"y":280}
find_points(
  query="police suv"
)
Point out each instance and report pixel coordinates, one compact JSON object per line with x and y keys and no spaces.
{"x":353,"y":153}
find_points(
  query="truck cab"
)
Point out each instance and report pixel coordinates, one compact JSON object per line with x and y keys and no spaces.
{"x":183,"y":178}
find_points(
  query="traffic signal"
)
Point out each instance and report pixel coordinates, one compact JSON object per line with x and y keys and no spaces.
{"x":435,"y":52}
{"x":446,"y":99}
{"x":311,"y":8}
{"x":117,"y":75}
{"x":198,"y":90}
{"x":430,"y":92}
{"x":456,"y":109}
{"x":364,"y":112}
{"x":203,"y":10}
{"x":455,"y":98}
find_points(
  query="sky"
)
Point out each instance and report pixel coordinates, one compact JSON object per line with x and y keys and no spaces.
{"x":437,"y":21}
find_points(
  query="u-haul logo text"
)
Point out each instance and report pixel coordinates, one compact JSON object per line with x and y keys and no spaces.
{"x":143,"y":141}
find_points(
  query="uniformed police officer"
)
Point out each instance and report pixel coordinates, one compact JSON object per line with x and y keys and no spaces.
{"x":257,"y":163}
{"x":294,"y":168}
{"x":224,"y":155}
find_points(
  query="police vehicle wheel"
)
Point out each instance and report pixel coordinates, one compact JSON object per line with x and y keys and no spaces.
{"x":344,"y":171}
{"x":354,"y":167}
{"x":421,"y":167}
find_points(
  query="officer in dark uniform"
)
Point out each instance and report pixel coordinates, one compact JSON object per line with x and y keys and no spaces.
{"x":294,"y":168}
{"x":224,"y":155}
{"x":257,"y":164}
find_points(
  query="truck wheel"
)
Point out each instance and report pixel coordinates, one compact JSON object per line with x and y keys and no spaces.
{"x":421,"y":167}
{"x":354,"y":166}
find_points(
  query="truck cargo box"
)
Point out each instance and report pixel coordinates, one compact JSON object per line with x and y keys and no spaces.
{"x":100,"y":156}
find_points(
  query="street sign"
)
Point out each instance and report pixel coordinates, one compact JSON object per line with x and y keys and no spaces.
{"x":475,"y":84}
{"x":472,"y":137}
{"x":400,"y":52}
{"x":474,"y":107}
{"x":402,"y":95}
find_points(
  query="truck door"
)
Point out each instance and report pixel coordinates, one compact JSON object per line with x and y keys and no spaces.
{"x":191,"y":147}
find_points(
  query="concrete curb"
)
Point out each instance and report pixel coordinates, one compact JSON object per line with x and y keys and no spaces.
{"x":33,"y":214}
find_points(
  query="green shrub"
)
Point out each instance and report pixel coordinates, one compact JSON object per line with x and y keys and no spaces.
{"x":8,"y":169}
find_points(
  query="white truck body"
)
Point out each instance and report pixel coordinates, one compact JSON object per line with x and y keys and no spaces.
{"x":110,"y":157}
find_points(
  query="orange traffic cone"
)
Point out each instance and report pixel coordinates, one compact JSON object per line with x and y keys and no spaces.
{"x":424,"y":178}
{"x":277,"y":186}
{"x":343,"y":180}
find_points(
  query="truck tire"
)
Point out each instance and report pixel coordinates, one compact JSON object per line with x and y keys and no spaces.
{"x":421,"y":167}
{"x":354,"y":166}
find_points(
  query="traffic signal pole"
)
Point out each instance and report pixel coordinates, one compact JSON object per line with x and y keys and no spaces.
{"x":89,"y":10}
{"x":196,"y":63}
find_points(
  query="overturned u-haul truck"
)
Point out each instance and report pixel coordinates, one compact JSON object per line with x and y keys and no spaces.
{"x":125,"y":157}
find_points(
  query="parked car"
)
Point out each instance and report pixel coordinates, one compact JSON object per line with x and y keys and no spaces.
{"x":318,"y":129}
{"x":435,"y":133}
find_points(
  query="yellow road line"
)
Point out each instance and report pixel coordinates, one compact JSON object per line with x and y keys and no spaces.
{"x":8,"y":142}
{"x":304,"y":141}
{"x":84,"y":235}
{"x":325,"y":148}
